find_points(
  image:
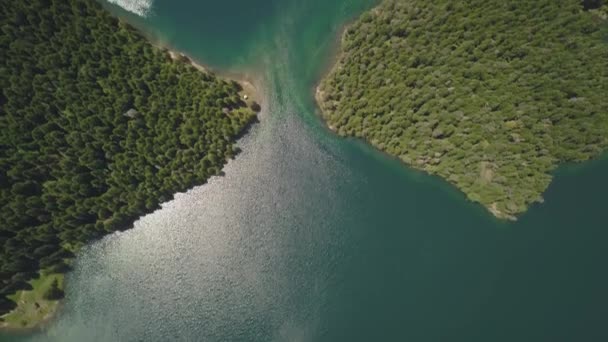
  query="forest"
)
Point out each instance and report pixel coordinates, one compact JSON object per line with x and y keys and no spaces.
{"x":490,"y":95}
{"x":97,"y":127}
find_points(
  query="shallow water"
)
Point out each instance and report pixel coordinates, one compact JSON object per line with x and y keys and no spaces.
{"x":310,"y":237}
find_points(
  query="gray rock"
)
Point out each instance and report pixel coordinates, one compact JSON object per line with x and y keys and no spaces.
{"x":132,"y":113}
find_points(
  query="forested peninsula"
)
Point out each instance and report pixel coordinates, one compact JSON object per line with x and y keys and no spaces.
{"x":490,"y":95}
{"x":97,"y":127}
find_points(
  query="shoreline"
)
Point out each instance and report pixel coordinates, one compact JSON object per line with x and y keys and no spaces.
{"x":249,"y":81}
{"x":333,"y":63}
{"x":249,"y":84}
{"x":250,"y":91}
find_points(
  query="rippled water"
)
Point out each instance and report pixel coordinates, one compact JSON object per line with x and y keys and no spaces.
{"x":309,"y":237}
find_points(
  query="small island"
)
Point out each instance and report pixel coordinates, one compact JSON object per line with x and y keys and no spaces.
{"x":490,"y":95}
{"x":98,"y":127}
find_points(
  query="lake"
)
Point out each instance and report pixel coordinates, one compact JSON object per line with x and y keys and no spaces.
{"x":311,"y":237}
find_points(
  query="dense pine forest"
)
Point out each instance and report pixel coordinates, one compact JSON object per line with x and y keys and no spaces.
{"x":490,"y":95}
{"x":97,"y":127}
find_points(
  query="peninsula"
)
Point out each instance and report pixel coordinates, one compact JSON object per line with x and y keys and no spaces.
{"x":490,"y":95}
{"x":97,"y":127}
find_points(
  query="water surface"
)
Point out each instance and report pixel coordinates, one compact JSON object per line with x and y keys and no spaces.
{"x":310,"y":237}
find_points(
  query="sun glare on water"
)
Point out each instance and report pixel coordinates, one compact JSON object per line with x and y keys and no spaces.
{"x":139,"y":7}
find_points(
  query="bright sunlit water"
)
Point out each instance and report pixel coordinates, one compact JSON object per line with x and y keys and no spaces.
{"x":310,"y":237}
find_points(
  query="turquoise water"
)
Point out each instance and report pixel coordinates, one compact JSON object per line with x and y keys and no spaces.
{"x":310,"y":237}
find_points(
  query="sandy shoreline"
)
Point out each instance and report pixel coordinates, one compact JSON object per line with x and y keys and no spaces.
{"x":245,"y":80}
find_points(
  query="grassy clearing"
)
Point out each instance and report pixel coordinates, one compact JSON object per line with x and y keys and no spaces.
{"x":32,"y":308}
